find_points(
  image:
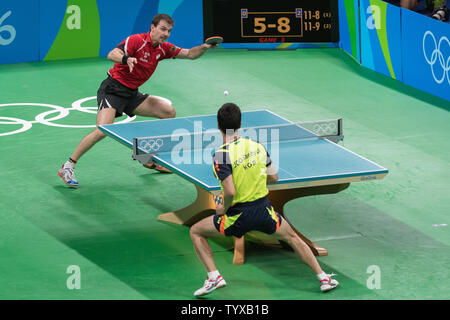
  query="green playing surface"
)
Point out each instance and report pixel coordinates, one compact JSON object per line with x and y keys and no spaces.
{"x":108,"y":227}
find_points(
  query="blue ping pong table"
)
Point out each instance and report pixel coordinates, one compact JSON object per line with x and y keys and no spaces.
{"x":308,"y":162}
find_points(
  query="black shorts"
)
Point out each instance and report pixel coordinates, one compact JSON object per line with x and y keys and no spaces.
{"x":241,"y":218}
{"x":113,"y":94}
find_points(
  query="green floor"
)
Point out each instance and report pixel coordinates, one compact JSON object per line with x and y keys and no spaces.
{"x":108,"y":227}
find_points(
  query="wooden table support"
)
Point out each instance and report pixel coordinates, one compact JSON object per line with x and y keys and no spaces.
{"x":278,"y":198}
{"x":205,"y":205}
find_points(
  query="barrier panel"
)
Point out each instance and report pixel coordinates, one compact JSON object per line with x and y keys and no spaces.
{"x":401,"y":44}
{"x":19,"y":31}
{"x":349,"y":30}
{"x":381,"y":45}
{"x":42,"y":30}
{"x":426,"y":54}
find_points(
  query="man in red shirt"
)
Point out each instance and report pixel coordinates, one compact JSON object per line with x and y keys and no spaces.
{"x":136,"y":58}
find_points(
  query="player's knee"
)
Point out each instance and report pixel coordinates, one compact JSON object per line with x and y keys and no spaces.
{"x":292,"y":238}
{"x":196,"y":232}
{"x":288,"y":235}
{"x":98,"y":134}
{"x":171,"y":112}
{"x":193,"y":231}
{"x":296,"y":242}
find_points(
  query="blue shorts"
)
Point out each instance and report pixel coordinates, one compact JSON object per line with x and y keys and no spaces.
{"x":241,"y":218}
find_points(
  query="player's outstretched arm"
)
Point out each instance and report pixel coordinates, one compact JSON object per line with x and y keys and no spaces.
{"x":195,"y":52}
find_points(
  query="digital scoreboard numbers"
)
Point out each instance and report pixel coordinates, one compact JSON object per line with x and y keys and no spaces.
{"x":271,"y":24}
{"x":262,"y":21}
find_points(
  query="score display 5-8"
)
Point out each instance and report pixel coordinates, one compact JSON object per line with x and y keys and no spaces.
{"x":270,"y":24}
{"x":272,"y":21}
{"x":282,"y":25}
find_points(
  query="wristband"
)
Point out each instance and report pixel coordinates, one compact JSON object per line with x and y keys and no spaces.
{"x":124,"y":59}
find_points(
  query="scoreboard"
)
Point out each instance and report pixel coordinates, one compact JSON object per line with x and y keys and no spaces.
{"x":258,"y":21}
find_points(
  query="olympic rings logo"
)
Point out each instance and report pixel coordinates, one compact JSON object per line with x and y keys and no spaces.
{"x":42,"y":117}
{"x":437,"y":54}
{"x":325,"y":129}
{"x":45,"y":119}
{"x":150,"y":145}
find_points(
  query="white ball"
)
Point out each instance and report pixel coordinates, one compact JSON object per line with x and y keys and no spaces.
{"x":225,"y":92}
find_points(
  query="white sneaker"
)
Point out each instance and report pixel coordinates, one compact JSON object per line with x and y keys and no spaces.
{"x":210,"y":285}
{"x":68,"y":175}
{"x":328,"y":284}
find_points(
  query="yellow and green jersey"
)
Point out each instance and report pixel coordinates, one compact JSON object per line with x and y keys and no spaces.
{"x":247,"y":162}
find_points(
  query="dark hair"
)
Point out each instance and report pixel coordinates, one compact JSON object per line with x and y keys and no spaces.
{"x":162,"y":16}
{"x":229,"y":117}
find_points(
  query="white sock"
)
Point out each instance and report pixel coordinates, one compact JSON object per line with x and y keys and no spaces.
{"x":322,"y":276}
{"x":213,"y":275}
{"x":69,"y":164}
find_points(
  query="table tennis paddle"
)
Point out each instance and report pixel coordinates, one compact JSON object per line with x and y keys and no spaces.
{"x":214,"y":40}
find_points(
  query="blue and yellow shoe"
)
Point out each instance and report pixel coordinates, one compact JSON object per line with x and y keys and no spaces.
{"x":68,"y":175}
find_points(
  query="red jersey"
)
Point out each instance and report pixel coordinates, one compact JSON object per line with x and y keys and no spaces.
{"x":140,"y":47}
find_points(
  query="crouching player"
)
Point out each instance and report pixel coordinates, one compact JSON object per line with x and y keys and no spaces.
{"x":244,"y":168}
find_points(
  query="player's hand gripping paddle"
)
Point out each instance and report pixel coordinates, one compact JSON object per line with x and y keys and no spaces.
{"x":214,"y":40}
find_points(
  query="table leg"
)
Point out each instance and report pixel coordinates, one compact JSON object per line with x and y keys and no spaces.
{"x":278,"y":198}
{"x":202,"y":207}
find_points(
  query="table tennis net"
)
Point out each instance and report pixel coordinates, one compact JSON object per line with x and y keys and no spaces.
{"x":182,"y":140}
